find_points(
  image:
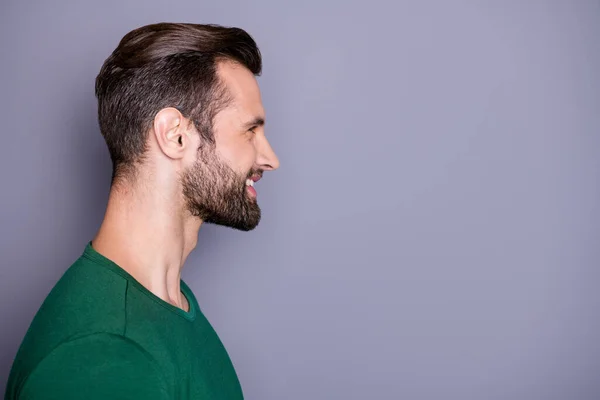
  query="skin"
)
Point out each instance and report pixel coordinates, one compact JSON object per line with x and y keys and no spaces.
{"x":151,"y":222}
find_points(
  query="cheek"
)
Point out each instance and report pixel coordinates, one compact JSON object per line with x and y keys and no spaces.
{"x":240,"y":157}
{"x":247,"y":158}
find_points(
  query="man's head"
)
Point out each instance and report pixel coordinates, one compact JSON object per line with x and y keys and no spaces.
{"x":184,"y":98}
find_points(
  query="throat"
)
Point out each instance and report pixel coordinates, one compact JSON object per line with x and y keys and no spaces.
{"x":185,"y":304}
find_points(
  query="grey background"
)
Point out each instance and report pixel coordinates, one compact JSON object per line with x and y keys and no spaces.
{"x":432,"y":232}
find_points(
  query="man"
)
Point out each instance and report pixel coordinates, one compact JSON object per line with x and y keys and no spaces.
{"x":180,"y":110}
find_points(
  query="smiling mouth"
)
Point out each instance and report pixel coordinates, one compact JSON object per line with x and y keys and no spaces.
{"x":250,"y":187}
{"x":250,"y":183}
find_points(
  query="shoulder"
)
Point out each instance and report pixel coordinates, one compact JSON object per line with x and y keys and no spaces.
{"x":87,"y":300}
{"x":100,"y":365}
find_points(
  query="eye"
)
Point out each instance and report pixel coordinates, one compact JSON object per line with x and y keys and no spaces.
{"x":251,"y":133}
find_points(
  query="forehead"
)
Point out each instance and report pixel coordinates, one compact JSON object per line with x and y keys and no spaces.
{"x":243,"y":89}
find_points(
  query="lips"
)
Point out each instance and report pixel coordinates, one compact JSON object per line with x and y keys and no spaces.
{"x":250,"y":183}
{"x":256,"y":177}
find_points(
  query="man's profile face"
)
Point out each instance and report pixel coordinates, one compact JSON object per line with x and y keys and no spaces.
{"x":218,"y":188}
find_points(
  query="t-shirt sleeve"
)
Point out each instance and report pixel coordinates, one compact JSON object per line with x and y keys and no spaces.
{"x":99,"y":366}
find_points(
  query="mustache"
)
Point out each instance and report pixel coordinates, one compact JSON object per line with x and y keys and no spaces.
{"x":257,"y":172}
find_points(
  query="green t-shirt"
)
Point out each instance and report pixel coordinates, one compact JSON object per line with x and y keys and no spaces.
{"x":100,"y":334}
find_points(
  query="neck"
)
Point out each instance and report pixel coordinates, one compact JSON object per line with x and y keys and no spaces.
{"x":150,"y":238}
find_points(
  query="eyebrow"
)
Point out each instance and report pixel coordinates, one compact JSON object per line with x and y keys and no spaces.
{"x":257,"y":121}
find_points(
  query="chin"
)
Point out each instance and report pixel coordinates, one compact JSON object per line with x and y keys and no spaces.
{"x":247,"y":228}
{"x":244,"y":225}
{"x":237,"y":227}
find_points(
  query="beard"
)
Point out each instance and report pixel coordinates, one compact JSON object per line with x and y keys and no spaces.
{"x":217,"y":194}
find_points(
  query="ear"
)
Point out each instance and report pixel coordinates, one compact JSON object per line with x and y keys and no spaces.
{"x":171,"y":131}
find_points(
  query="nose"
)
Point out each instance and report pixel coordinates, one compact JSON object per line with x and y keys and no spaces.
{"x":266,"y":157}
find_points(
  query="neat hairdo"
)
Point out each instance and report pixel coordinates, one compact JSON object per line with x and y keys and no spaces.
{"x":165,"y":65}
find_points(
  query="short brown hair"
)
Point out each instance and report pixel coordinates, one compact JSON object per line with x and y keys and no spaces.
{"x":165,"y":65}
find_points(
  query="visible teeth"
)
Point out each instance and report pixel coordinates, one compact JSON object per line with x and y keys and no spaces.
{"x":249,"y":182}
